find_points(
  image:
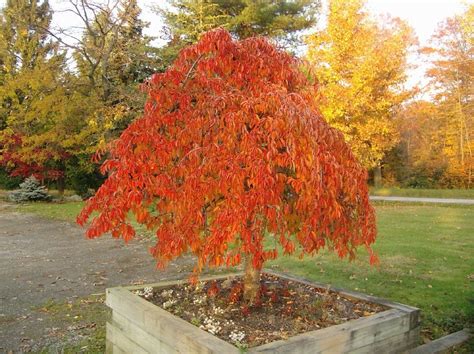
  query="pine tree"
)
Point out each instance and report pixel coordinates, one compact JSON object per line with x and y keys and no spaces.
{"x":30,"y":190}
{"x":283,"y":20}
{"x":132,"y":61}
{"x":191,"y":18}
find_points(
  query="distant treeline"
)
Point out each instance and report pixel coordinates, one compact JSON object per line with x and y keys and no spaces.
{"x":66,"y":93}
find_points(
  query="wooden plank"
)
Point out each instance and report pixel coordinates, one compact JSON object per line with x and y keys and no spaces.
{"x":121,"y":343}
{"x":345,"y":337}
{"x":109,"y":346}
{"x":164,"y":284}
{"x":147,"y":341}
{"x":385,"y":331}
{"x":443,"y":344}
{"x":392,"y":345}
{"x":113,"y":349}
{"x":165,"y":326}
{"x":118,"y":350}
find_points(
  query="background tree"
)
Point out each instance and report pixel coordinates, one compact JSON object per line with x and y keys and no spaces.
{"x":113,"y":57}
{"x":30,"y":190}
{"x":32,"y":95}
{"x":231,"y":158}
{"x":22,"y":47}
{"x":59,"y":118}
{"x":39,"y":124}
{"x":452,"y":81}
{"x":53,"y":120}
{"x":360,"y":65}
{"x":418,"y":159}
{"x":283,"y":20}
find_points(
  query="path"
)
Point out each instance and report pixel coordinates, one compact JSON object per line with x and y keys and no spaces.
{"x":424,"y":200}
{"x":42,"y":259}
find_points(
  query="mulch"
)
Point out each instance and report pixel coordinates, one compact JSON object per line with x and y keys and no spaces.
{"x":284,"y":308}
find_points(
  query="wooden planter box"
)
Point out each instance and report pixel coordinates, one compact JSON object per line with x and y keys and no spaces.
{"x":138,"y":326}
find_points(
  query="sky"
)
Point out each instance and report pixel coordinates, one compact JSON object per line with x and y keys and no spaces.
{"x":422,"y":15}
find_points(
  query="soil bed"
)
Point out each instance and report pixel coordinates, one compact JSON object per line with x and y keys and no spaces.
{"x":285,"y":308}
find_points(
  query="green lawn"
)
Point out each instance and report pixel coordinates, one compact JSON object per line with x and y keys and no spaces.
{"x":427,"y":193}
{"x":87,"y":317}
{"x":67,"y":211}
{"x":384,"y":191}
{"x":60,"y":211}
{"x":427,"y":261}
{"x":426,"y":255}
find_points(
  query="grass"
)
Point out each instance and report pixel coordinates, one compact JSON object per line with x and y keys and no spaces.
{"x":426,"y":193}
{"x":67,"y":211}
{"x":426,"y":261}
{"x":53,"y":192}
{"x":80,"y":324}
{"x":383,"y":191}
{"x":59,"y":211}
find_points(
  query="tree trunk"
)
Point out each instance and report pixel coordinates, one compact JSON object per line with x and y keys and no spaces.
{"x":60,"y":183}
{"x":251,"y":280}
{"x":378,"y":176}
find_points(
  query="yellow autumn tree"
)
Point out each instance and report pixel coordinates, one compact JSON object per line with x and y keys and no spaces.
{"x":419,"y":160}
{"x":452,"y":82}
{"x":52,"y":118}
{"x":361,"y":67}
{"x":43,"y":115}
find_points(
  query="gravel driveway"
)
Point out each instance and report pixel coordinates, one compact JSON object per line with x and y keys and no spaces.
{"x":43,"y":260}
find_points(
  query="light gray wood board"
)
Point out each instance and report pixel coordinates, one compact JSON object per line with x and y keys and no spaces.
{"x":443,"y":344}
{"x":345,"y":337}
{"x":163,"y":325}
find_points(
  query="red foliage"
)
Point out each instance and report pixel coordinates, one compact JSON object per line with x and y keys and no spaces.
{"x":236,"y":293}
{"x":232,"y":150}
{"x":245,"y":310}
{"x":22,"y":164}
{"x":213,"y":289}
{"x":274,"y":297}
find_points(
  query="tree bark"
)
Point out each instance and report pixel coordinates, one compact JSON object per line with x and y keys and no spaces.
{"x":378,"y":176}
{"x":60,"y":183}
{"x":251,"y":280}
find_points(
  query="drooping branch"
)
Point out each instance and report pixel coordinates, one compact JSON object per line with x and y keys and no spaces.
{"x":256,"y":174}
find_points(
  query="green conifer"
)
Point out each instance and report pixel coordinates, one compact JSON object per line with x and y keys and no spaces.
{"x":30,"y":190}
